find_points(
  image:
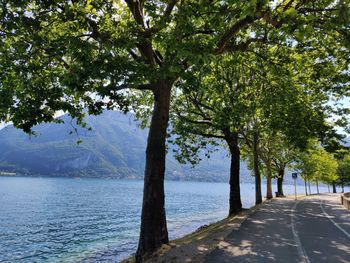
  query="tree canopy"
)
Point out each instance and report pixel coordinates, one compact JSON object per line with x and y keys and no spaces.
{"x":80,"y":57}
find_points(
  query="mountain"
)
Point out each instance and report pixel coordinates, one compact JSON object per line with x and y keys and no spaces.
{"x":115,"y":147}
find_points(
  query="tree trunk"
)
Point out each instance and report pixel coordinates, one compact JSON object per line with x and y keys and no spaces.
{"x":317,"y":186}
{"x":305,"y":187}
{"x":269,"y":194}
{"x":280,"y":182}
{"x":309,"y":187}
{"x":258,"y":196}
{"x":235,"y":192}
{"x":154,"y":231}
{"x":329,"y":190}
{"x":334,"y":187}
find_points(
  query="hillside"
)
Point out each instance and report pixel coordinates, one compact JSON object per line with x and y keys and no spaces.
{"x":114,"y":148}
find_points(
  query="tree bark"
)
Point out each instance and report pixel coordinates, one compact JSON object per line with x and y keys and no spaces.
{"x":269,"y":194}
{"x":235,"y":192}
{"x":317,"y":186}
{"x":258,"y":196}
{"x":154,"y":231}
{"x":305,"y":187}
{"x":309,"y":187}
{"x":280,"y":182}
{"x":334,"y":187}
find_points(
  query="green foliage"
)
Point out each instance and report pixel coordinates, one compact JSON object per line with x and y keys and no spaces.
{"x":273,"y":151}
{"x":318,"y":165}
{"x":212,"y":106}
{"x":78,"y":55}
{"x":75,"y":55}
{"x":274,"y":64}
{"x":277,"y":152}
{"x":344,"y":170}
{"x":246,"y":91}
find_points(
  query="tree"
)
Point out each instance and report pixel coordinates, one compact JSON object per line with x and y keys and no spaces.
{"x":78,"y":55}
{"x":287,"y":106}
{"x":328,"y":171}
{"x":332,"y":143}
{"x":344,"y":171}
{"x":277,"y":155}
{"x":252,"y":146}
{"x":75,"y":55}
{"x":211,"y":109}
{"x":280,"y":162}
{"x":266,"y":155}
{"x":318,"y":165}
{"x":216,"y":104}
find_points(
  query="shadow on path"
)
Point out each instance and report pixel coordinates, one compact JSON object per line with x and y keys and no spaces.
{"x":267,"y":235}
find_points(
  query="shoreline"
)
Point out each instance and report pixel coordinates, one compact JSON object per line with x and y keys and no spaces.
{"x":135,"y":179}
{"x":203,"y":240}
{"x":195,"y":246}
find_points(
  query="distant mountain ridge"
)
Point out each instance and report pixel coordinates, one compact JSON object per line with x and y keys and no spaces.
{"x":114,"y":148}
{"x":55,"y":152}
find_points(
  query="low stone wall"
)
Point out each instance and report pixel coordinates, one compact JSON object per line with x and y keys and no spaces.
{"x":345,"y":200}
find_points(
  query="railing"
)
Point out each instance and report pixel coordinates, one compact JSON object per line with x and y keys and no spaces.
{"x":345,"y":200}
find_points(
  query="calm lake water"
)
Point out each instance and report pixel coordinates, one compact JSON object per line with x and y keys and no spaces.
{"x":97,"y":220}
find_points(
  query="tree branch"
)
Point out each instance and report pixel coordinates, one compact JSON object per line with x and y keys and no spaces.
{"x":169,"y":8}
{"x":136,"y":10}
{"x":126,"y":86}
{"x":248,"y":142}
{"x":201,"y":122}
{"x":316,"y":10}
{"x":208,"y":135}
{"x":134,"y":55}
{"x":245,"y":45}
{"x":231,"y":32}
{"x":288,"y":5}
{"x":145,"y":45}
{"x":198,"y":32}
{"x":165,"y":16}
{"x":158,"y":57}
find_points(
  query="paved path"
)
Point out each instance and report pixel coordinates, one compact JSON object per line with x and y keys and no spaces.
{"x":315,"y":229}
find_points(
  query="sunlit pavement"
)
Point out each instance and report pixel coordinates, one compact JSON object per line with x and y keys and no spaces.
{"x":313,"y":229}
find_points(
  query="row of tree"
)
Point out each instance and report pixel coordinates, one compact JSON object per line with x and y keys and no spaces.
{"x":318,"y":165}
{"x":255,"y":75}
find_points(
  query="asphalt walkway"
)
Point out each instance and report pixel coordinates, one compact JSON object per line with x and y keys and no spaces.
{"x":314,"y":229}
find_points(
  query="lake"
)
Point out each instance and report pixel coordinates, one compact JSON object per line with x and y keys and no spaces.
{"x":97,"y":220}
